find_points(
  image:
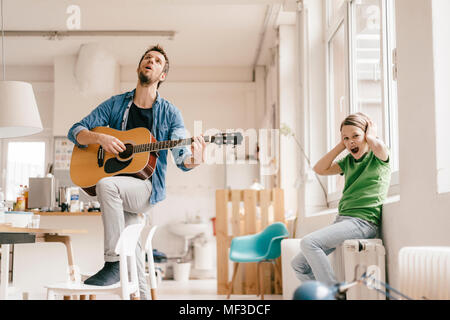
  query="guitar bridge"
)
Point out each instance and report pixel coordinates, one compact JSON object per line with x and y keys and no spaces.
{"x":100,"y":157}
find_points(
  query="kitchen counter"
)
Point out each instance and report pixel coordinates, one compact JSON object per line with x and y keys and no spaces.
{"x":68,"y":214}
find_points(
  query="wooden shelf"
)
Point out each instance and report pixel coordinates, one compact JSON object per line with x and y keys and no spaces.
{"x":69,"y":214}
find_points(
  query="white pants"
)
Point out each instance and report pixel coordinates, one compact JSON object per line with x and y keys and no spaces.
{"x":123,"y":200}
{"x":312,"y":262}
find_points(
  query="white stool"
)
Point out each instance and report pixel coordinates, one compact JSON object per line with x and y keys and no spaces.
{"x":126,"y":247}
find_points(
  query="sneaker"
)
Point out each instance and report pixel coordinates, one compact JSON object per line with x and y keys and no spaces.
{"x":108,"y":275}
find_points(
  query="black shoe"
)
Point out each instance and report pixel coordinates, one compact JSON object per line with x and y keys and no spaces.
{"x":341,"y":295}
{"x":108,"y":275}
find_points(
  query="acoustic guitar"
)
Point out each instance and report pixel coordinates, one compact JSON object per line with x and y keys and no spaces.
{"x":89,"y":165}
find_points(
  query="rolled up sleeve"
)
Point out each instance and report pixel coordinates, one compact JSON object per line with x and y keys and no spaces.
{"x":100,"y":116}
{"x":178,"y":131}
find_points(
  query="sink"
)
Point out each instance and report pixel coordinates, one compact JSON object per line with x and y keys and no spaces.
{"x":188,"y":230}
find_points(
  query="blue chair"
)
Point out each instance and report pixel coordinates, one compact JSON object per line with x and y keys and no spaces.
{"x":264,"y":246}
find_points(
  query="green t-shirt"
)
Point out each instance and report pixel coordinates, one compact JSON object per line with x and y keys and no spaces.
{"x":366,"y":186}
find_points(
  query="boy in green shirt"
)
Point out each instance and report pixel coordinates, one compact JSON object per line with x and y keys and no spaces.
{"x":367,"y":177}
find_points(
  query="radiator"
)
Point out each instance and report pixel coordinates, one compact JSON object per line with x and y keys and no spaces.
{"x":355,"y":257}
{"x":424,"y":272}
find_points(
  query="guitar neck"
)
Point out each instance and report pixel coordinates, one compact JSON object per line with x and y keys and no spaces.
{"x":164,"y":145}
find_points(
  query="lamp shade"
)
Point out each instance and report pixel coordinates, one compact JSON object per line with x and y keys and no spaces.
{"x":19,"y":114}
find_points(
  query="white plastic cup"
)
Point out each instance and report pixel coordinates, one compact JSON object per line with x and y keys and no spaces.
{"x":2,"y":214}
{"x":35,"y":221}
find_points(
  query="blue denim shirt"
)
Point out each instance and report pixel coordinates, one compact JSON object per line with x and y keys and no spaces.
{"x":167,"y":125}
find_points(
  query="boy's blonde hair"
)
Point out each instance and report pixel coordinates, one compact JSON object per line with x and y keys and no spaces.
{"x":358,"y":119}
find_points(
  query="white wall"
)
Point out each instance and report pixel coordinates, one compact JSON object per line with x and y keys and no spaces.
{"x":288,"y":83}
{"x":441,"y":31}
{"x":421,"y":218}
{"x":70,"y":104}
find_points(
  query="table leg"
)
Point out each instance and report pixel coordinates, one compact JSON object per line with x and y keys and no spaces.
{"x":4,"y":272}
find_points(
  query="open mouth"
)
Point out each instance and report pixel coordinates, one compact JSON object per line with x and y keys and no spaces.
{"x":354,"y":150}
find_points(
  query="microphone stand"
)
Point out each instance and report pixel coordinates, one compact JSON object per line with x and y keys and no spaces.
{"x":370,"y":282}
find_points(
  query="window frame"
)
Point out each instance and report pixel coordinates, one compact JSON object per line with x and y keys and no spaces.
{"x":387,"y":54}
{"x":341,"y":19}
{"x":390,"y":51}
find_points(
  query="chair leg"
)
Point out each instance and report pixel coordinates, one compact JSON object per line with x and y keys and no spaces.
{"x":277,"y":271}
{"x":259,"y":280}
{"x":133,"y":296}
{"x":258,"y":287}
{"x":153,"y":292}
{"x":236,"y":266}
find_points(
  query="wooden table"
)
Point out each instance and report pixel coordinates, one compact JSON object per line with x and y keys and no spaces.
{"x":13,"y":235}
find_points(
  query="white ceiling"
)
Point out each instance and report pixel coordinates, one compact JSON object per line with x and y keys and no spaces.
{"x":208,"y":32}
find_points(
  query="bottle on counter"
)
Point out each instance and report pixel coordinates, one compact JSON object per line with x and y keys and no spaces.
{"x":74,"y":199}
{"x":20,"y":200}
{"x":25,"y":194}
{"x":2,"y":206}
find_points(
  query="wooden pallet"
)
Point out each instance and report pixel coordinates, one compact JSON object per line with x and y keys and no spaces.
{"x":242,"y":212}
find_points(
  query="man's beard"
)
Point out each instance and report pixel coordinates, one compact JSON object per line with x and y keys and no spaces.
{"x":144,"y":80}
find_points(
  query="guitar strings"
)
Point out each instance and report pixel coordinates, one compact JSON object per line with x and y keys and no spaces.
{"x":162,"y":145}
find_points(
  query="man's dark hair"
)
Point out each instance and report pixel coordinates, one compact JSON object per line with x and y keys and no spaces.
{"x":159,"y":49}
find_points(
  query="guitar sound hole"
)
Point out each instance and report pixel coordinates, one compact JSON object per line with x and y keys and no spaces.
{"x":127,"y":153}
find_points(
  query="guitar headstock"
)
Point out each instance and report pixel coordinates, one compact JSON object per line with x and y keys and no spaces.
{"x":234,"y":138}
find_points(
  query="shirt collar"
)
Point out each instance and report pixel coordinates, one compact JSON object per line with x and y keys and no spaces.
{"x":130,"y":95}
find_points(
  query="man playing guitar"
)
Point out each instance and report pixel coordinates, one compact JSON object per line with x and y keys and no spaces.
{"x":123,"y":197}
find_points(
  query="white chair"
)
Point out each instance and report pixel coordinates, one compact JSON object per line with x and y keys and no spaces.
{"x":147,"y":235}
{"x":126,"y":247}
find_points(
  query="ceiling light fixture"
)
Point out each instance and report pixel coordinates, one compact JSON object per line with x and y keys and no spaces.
{"x":54,"y":35}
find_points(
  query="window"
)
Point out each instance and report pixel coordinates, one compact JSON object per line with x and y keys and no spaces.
{"x":374,"y":89}
{"x":24,"y":159}
{"x":390,"y":85}
{"x":338,"y":91}
{"x":361,"y":72}
{"x":441,"y":52}
{"x":333,"y":8}
{"x":366,"y":60}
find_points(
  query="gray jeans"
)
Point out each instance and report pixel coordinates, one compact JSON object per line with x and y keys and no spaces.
{"x":123,"y":200}
{"x":312,"y":262}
